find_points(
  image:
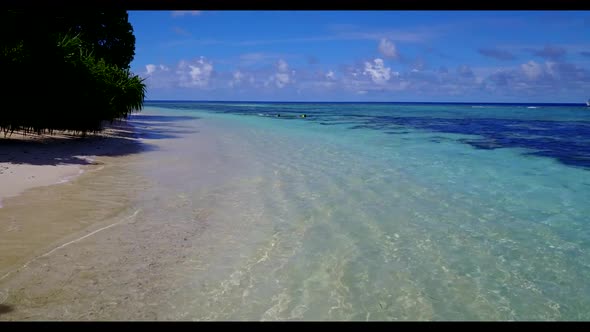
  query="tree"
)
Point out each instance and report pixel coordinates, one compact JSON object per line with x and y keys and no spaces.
{"x":108,"y":34}
{"x":66,"y":71}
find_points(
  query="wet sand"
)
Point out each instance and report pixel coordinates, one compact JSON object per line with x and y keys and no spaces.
{"x":55,"y":191}
{"x":111,"y":245}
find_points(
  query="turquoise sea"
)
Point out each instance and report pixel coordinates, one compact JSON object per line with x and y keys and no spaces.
{"x":380,"y":211}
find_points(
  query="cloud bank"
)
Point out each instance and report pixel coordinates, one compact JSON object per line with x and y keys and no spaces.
{"x":257,"y":74}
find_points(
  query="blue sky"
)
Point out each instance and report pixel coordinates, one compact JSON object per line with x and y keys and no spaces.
{"x":485,"y":56}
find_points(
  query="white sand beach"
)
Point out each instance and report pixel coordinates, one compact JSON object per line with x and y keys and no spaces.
{"x":30,"y":161}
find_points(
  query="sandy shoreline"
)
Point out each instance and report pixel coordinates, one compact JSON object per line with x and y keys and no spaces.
{"x":33,"y":161}
{"x":55,"y":189}
{"x":73,"y":246}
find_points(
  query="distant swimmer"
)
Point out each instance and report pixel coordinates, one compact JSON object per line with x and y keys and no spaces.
{"x":290,"y":116}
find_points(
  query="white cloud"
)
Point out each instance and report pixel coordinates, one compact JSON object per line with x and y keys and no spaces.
{"x":539,"y":79}
{"x":532,"y":70}
{"x":282,"y":77}
{"x":377,"y":71}
{"x":551,"y":68}
{"x":177,"y":13}
{"x":372,"y":77}
{"x":150,"y":69}
{"x":194,"y":74}
{"x":238,"y":76}
{"x":282,"y":66}
{"x":387,"y":48}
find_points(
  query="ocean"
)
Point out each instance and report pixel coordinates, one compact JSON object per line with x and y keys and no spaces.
{"x":357,"y":211}
{"x":387,"y":211}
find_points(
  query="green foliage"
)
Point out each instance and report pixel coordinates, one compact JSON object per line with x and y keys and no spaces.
{"x":59,"y":77}
{"x":108,"y":34}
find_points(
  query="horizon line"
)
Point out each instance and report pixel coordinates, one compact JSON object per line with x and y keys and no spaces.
{"x":358,"y":102}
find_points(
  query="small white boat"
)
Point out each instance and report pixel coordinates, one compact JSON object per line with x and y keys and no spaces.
{"x":588,"y":103}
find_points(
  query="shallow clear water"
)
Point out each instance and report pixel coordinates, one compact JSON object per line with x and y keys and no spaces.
{"x":388,"y":211}
{"x":356,"y":212}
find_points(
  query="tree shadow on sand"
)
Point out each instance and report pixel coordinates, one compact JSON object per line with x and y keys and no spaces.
{"x":4,"y":309}
{"x":125,"y":138}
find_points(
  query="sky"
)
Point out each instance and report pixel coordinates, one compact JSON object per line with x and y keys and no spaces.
{"x":398,"y":56}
